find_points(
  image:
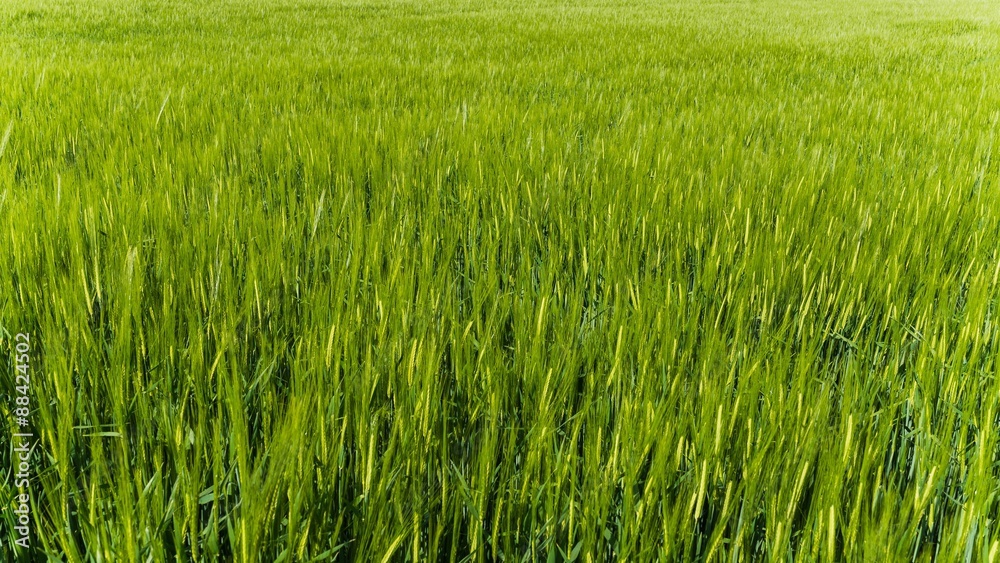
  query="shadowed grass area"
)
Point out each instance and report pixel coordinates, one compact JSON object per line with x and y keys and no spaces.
{"x":483,"y":281}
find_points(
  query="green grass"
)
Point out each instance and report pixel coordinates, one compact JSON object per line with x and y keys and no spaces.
{"x":482,"y":281}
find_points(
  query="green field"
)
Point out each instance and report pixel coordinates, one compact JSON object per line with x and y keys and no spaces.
{"x":664,"y":280}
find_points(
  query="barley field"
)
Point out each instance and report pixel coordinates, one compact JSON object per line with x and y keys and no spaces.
{"x":484,"y":280}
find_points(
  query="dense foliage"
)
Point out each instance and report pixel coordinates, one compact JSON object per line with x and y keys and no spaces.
{"x":482,"y":281}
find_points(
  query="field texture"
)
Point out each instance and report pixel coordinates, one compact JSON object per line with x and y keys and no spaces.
{"x":502,"y":281}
